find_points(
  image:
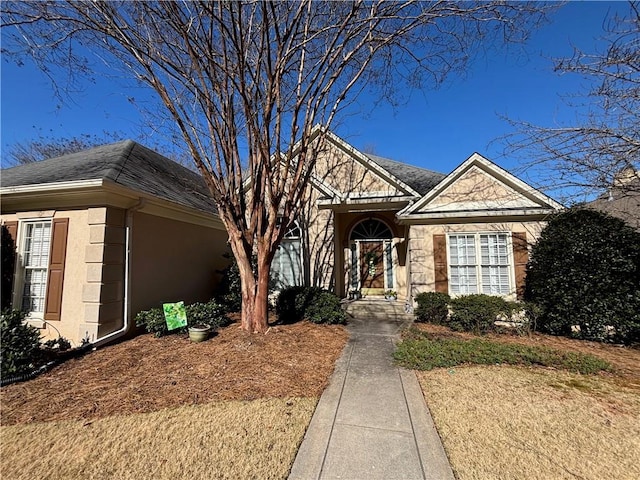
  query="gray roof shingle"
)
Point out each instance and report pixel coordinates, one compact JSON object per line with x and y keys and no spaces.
{"x":420,"y":179}
{"x":126,"y":163}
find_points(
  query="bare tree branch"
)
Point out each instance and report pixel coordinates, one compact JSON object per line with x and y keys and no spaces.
{"x":246,"y":83}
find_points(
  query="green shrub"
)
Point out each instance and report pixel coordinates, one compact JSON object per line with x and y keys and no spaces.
{"x":211,"y":314}
{"x":229,"y":294}
{"x":20,"y":344}
{"x":476,"y":313}
{"x":433,"y":307}
{"x":584,"y":271}
{"x":59,"y":344}
{"x":310,"y":303}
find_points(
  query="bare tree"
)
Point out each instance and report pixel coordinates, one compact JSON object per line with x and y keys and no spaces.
{"x":44,"y":146}
{"x":48,"y":146}
{"x":251,"y":86}
{"x":602,"y":149}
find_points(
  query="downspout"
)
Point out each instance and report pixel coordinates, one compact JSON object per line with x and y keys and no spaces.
{"x":126,"y":314}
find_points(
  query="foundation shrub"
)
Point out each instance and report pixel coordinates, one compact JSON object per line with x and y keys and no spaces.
{"x":476,"y":313}
{"x":584,"y":273}
{"x":433,"y":307}
{"x":309,"y":303}
{"x":211,"y":314}
{"x":19,"y":344}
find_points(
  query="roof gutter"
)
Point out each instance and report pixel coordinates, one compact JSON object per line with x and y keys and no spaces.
{"x":126,"y":315}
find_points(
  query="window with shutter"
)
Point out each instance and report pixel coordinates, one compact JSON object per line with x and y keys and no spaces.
{"x":40,"y":267}
{"x":480,"y":263}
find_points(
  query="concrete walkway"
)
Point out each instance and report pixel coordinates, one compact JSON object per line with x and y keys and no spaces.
{"x":371,"y":421}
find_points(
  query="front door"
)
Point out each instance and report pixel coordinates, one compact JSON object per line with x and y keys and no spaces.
{"x":372,"y":267}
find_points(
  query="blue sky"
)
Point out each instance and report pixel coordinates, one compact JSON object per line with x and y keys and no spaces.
{"x":436,"y":129}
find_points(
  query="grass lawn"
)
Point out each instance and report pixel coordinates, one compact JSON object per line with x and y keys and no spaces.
{"x":222,"y":440}
{"x":523,"y":422}
{"x":235,"y":406}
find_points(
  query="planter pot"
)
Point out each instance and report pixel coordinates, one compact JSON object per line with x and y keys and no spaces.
{"x":198,"y":333}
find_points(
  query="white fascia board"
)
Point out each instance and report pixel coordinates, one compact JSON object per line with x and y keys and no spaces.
{"x":466,"y":214}
{"x":51,"y":187}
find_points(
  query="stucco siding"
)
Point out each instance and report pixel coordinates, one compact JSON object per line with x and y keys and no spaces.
{"x":173,"y":261}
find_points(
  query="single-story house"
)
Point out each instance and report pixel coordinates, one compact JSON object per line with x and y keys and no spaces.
{"x":107,"y":232}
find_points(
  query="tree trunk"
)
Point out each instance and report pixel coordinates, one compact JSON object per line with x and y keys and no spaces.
{"x":255,"y":291}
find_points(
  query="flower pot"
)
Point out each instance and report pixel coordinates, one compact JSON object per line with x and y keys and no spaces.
{"x":199,"y":333}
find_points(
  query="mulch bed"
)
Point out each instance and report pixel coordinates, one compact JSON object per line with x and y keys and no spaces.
{"x":147,"y":374}
{"x":625,"y":360}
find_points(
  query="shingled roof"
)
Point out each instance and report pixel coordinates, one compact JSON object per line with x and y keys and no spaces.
{"x":125,"y":163}
{"x":420,"y":179}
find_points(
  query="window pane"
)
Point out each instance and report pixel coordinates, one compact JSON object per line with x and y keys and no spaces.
{"x":35,"y":255}
{"x":286,"y":268}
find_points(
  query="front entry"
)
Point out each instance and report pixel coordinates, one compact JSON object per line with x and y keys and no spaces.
{"x":371,"y":263}
{"x":372,"y":267}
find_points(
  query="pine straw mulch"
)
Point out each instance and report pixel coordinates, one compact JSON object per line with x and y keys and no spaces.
{"x":625,"y":360}
{"x":146,"y":374}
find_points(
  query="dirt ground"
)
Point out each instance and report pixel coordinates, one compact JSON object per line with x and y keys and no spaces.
{"x":625,"y":360}
{"x":147,"y":374}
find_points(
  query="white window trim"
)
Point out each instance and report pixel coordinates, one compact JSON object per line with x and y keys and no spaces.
{"x":478,"y":265}
{"x":33,"y":318}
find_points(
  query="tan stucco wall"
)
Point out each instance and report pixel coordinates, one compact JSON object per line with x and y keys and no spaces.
{"x":173,"y":261}
{"x":475,"y":189}
{"x":338,"y":169}
{"x":74,"y":273}
{"x":421,"y":246}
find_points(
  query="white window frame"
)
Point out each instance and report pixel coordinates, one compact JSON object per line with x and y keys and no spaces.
{"x":478,"y":265}
{"x":34,"y":317}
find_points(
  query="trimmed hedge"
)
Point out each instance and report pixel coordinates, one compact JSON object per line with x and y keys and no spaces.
{"x":433,"y":307}
{"x":211,"y":314}
{"x":477,"y":313}
{"x":309,"y":303}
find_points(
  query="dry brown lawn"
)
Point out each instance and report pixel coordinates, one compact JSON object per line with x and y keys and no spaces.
{"x":221,"y":440}
{"x":235,"y":406}
{"x":503,"y":422}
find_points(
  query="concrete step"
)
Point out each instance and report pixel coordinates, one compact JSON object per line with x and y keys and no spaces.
{"x":377,"y":309}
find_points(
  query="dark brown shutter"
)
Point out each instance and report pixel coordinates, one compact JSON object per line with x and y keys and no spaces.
{"x":53,"y":302}
{"x":440,"y":263}
{"x":520,"y":259}
{"x":12,"y":228}
{"x":8,"y":247}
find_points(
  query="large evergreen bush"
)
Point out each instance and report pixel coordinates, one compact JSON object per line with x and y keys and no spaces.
{"x":584,"y":273}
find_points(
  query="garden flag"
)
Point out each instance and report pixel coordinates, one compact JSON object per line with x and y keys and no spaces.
{"x":175,"y":315}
